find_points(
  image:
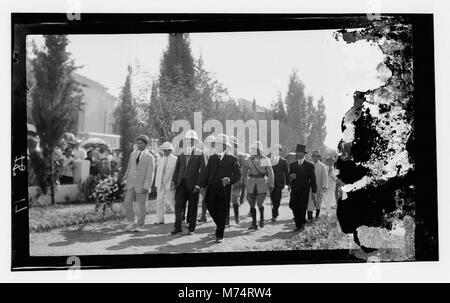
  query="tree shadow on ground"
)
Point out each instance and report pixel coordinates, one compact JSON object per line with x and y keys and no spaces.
{"x":87,"y":236}
{"x":80,"y":235}
{"x":201,"y":245}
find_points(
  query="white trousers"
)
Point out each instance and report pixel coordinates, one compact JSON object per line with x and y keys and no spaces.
{"x":164,"y":198}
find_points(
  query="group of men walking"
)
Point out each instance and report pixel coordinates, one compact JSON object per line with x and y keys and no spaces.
{"x":221,"y":175}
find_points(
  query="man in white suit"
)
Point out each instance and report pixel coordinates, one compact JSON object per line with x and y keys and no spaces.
{"x":139,"y":178}
{"x":164,"y":171}
{"x":322,"y":185}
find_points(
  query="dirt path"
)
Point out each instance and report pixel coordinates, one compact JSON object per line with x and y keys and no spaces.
{"x":108,"y":237}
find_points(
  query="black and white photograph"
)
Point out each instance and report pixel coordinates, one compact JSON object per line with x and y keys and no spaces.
{"x":209,"y":136}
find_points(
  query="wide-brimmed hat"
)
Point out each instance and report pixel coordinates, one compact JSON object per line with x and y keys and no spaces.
{"x":301,"y":148}
{"x":166,"y":145}
{"x":316,"y":152}
{"x":191,"y":134}
{"x":143,"y":138}
{"x":276,"y":147}
{"x":233,"y":140}
{"x":222,"y":139}
{"x":256,"y":145}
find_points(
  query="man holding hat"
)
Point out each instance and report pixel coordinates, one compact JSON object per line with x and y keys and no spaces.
{"x":320,"y":171}
{"x":303,"y":180}
{"x":164,"y":172}
{"x":139,"y":178}
{"x":258,"y":174}
{"x":221,"y":172}
{"x":185,"y":180}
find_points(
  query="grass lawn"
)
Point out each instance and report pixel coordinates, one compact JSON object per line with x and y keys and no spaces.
{"x":50,"y":217}
{"x":43,"y":219}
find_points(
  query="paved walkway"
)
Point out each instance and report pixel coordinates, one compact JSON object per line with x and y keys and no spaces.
{"x":109,"y":238}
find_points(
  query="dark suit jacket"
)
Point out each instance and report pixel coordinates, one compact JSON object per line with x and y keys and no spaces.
{"x":191,"y":172}
{"x":304,"y":182}
{"x":217,"y":169}
{"x":281,"y":173}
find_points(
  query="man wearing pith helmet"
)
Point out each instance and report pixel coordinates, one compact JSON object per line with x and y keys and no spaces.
{"x":185,"y":180}
{"x":221,"y":172}
{"x":164,"y":171}
{"x":139,"y":178}
{"x":259,"y":180}
{"x":208,"y":150}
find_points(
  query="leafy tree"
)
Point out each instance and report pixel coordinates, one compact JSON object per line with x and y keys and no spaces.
{"x":55,"y":98}
{"x":321,"y":119}
{"x":177,"y":64}
{"x":296,"y":107}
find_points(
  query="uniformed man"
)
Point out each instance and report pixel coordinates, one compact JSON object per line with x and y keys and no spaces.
{"x":258,"y":174}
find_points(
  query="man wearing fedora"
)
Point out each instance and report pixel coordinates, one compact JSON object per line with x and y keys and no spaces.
{"x":139,"y":178}
{"x":303,"y":181}
{"x":221,"y":172}
{"x":185,"y":180}
{"x":258,"y":174}
{"x":281,"y":178}
{"x":163,"y":181}
{"x":320,"y":171}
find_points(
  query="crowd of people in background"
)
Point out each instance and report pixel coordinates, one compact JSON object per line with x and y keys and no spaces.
{"x":213,"y":174}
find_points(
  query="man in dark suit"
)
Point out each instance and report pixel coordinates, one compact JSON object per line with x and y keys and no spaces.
{"x":220,"y":173}
{"x":185,"y":180}
{"x":281,"y":178}
{"x":303,"y":180}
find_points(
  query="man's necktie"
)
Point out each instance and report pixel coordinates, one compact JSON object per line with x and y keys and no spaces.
{"x":138,"y":158}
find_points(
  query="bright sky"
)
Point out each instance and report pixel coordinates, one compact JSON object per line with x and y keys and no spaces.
{"x":250,"y":64}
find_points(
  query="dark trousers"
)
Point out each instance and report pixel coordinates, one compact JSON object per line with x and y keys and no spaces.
{"x":203,"y":208}
{"x":182,"y":195}
{"x":275,"y":197}
{"x":217,"y":201}
{"x":299,"y":204}
{"x":241,"y":199}
{"x":299,"y":215}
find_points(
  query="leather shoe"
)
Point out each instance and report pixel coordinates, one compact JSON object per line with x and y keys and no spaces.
{"x":174,"y":232}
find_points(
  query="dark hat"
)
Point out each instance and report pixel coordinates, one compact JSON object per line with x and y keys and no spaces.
{"x":301,"y":148}
{"x":143,"y":138}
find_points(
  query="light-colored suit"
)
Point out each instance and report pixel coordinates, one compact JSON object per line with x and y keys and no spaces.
{"x":165,"y":196}
{"x":321,"y":173}
{"x":139,"y":179}
{"x":258,"y":178}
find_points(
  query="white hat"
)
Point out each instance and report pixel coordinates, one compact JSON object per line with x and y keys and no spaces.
{"x":223,"y":139}
{"x":276,"y":148}
{"x":191,"y":134}
{"x":233,"y":140}
{"x":256,"y":145}
{"x":166,"y":145}
{"x":210,"y":139}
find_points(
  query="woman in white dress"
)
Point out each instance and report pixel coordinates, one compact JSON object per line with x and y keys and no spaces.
{"x":329,"y":199}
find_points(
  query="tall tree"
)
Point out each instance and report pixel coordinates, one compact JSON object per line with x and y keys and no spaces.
{"x":55,"y":97}
{"x":296,"y":107}
{"x":321,"y":119}
{"x":278,"y":110}
{"x":126,"y":117}
{"x":177,"y":64}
